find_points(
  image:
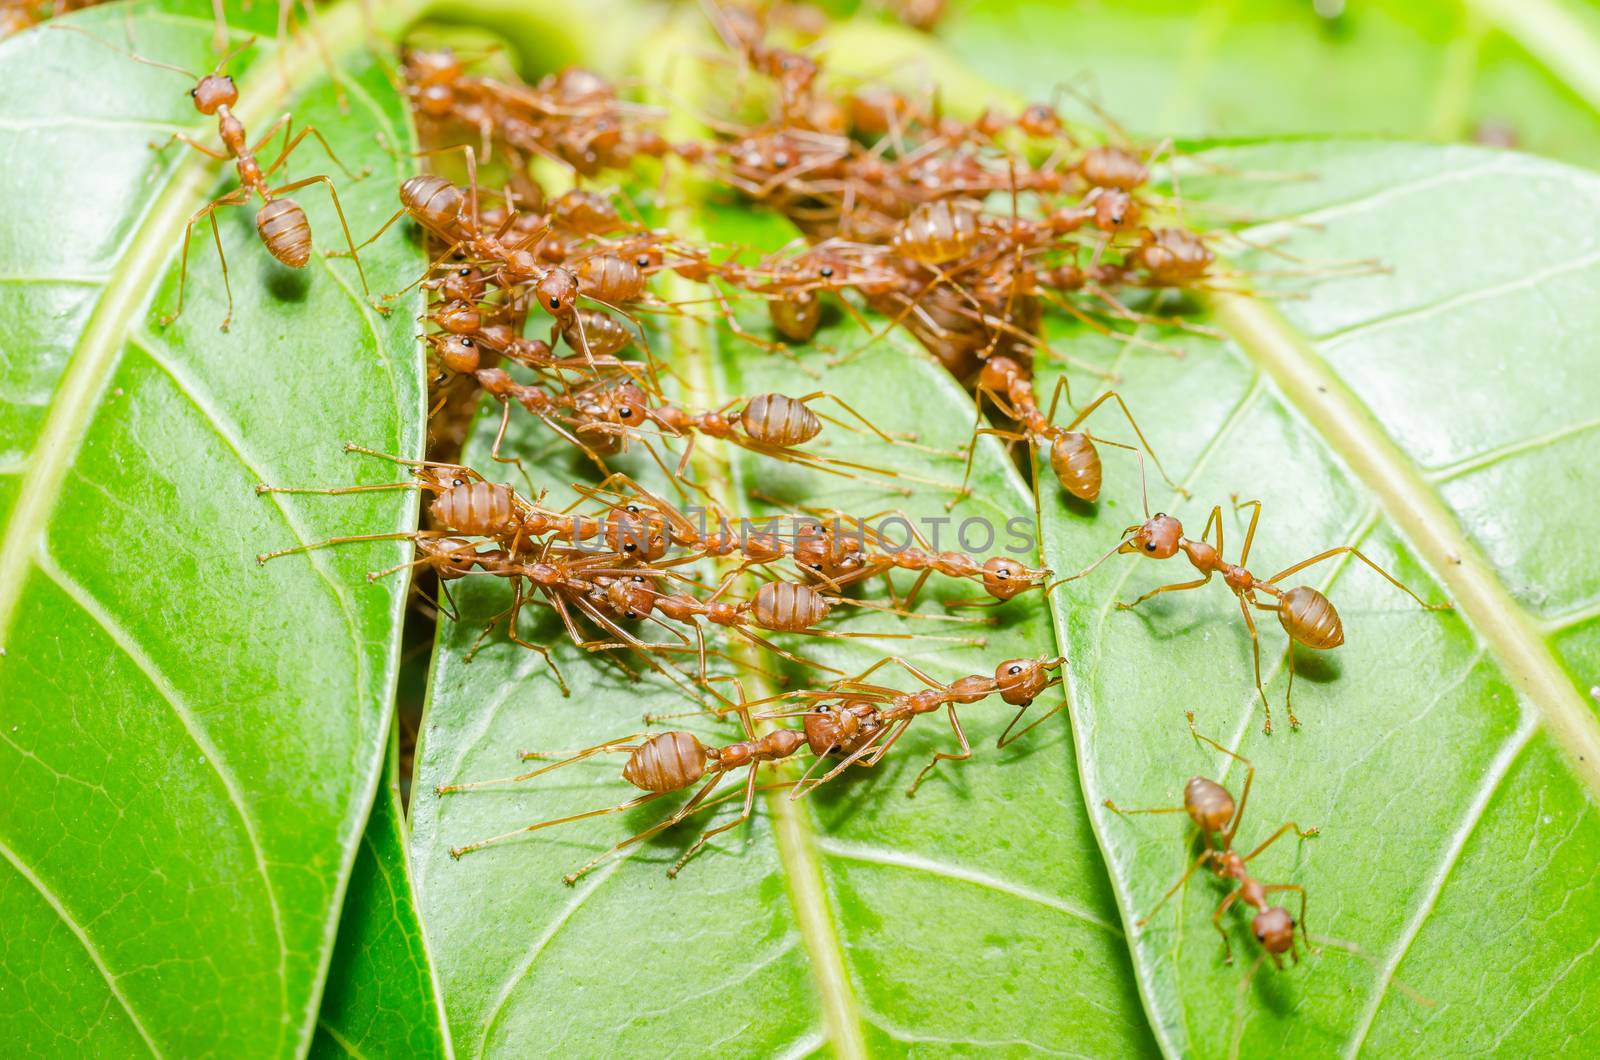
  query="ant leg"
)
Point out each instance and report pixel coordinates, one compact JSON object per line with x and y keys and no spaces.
{"x":1113,"y":395}
{"x":916,"y":587}
{"x":262,"y":487}
{"x":398,"y":535}
{"x":1255,"y":648}
{"x":620,"y":744}
{"x":1175,"y":888}
{"x":1358,"y":554}
{"x":1249,"y":534}
{"x":349,"y":241}
{"x":1006,"y":738}
{"x":1249,"y":778}
{"x":661,"y":826}
{"x":549,"y":659}
{"x":500,"y":437}
{"x":1285,"y":829}
{"x":1173,"y":588}
{"x":177,"y":137}
{"x":1216,"y":922}
{"x":1114,"y":808}
{"x":237,"y":197}
{"x":374,"y":237}
{"x":836,"y":399}
{"x":744,"y":815}
{"x":972,"y":448}
{"x":938,"y":756}
{"x":458,"y":852}
{"x":290,"y":143}
{"x":907,"y":667}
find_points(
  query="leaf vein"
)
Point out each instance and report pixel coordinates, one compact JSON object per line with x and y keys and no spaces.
{"x":83,"y":938}
{"x":1499,"y":767}
{"x":900,"y":859}
{"x":125,"y":643}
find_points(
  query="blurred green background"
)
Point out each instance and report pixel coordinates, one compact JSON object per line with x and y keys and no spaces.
{"x":1514,"y":73}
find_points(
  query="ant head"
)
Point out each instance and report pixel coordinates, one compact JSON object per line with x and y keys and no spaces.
{"x":1021,"y":680}
{"x":213,"y":92}
{"x":433,"y":66}
{"x":627,"y":405}
{"x":1004,"y":578}
{"x":1273,"y":927}
{"x":557,"y":292}
{"x":452,"y":557}
{"x":1209,"y":804}
{"x":1157,"y":539}
{"x":631,"y":597}
{"x":1040,"y":120}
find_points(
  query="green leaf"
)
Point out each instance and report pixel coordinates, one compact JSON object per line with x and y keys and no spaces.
{"x":189,"y":744}
{"x":381,"y":997}
{"x":1437,"y":69}
{"x":1439,"y":415}
{"x":856,"y":918}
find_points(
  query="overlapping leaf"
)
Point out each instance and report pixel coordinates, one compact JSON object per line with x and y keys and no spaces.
{"x":1447,"y":759}
{"x":189,"y":744}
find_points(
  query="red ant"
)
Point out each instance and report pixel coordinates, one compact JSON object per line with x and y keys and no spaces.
{"x":1307,"y":616}
{"x":1213,"y":811}
{"x":281,"y":222}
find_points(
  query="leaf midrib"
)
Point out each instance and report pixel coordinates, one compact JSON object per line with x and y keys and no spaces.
{"x":1351,"y":433}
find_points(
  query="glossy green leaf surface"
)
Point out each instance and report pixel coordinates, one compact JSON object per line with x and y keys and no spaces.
{"x":1439,"y":415}
{"x":381,"y":997}
{"x":189,"y":743}
{"x":1517,"y":71}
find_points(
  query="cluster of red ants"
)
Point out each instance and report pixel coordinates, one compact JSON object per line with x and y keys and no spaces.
{"x":890,"y":197}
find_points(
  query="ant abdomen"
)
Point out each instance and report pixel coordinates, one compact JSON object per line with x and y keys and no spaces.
{"x":938,"y":232}
{"x":1208,"y":803}
{"x":433,"y":201}
{"x":796,"y":316}
{"x":284,"y":229}
{"x":1310,"y":618}
{"x":610,"y":278}
{"x":1076,"y":462}
{"x":668,"y":762}
{"x":773,"y":419}
{"x":1113,"y":167}
{"x":604,"y":334}
{"x":477,"y":507}
{"x":785,"y":607}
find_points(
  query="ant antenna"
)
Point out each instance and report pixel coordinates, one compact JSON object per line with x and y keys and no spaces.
{"x":135,"y":56}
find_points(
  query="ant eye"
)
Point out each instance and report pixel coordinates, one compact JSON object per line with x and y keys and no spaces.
{"x":643,"y":261}
{"x":464,"y":272}
{"x":458,"y":482}
{"x":1161,"y":515}
{"x":467,"y":342}
{"x":555,"y":303}
{"x":625,"y":412}
{"x":192,"y":91}
{"x":1014,"y":671}
{"x":827,"y":272}
{"x":1149,"y":546}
